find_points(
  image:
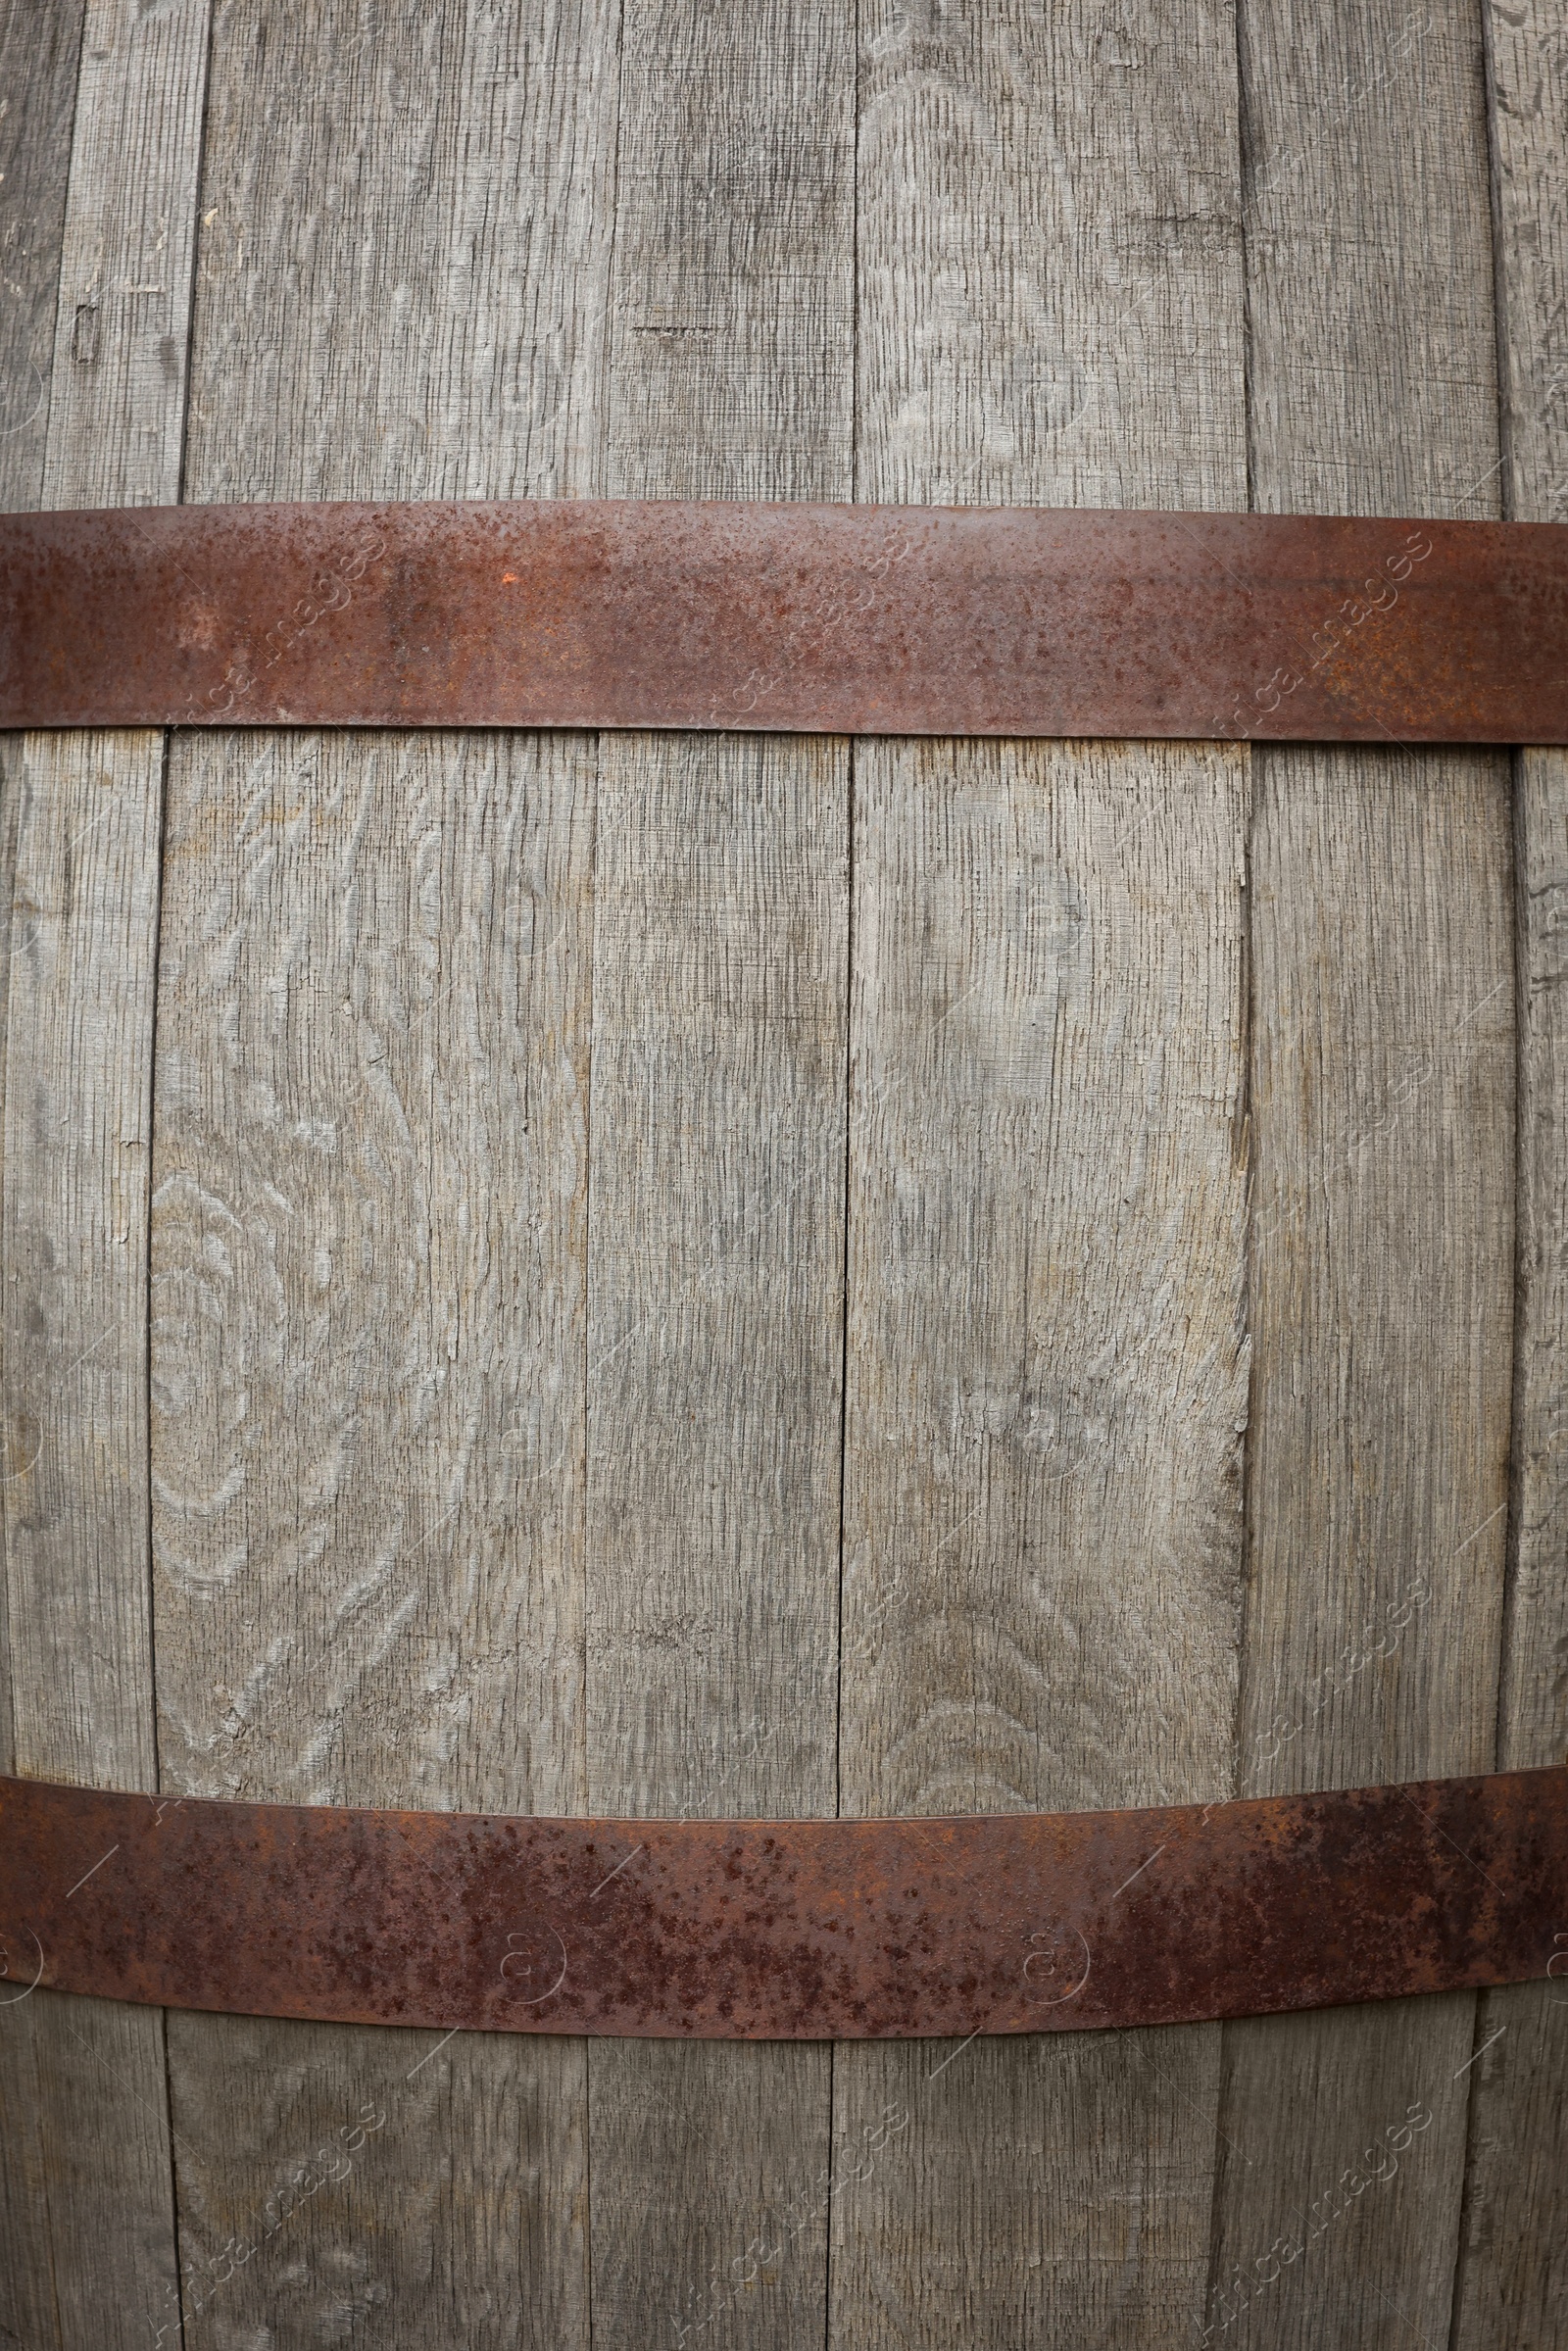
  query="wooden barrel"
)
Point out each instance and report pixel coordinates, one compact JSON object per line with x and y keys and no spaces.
{"x":722,"y":1275}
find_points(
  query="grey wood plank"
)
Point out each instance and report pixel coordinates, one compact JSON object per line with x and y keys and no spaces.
{"x":39,"y":54}
{"x":367,"y":1456}
{"x":38,"y":65}
{"x":367,"y":1278}
{"x":716,"y":1210}
{"x":1382,"y":1121}
{"x":97,"y":2254}
{"x":80,"y":1025}
{"x":716,"y":1205}
{"x":1045,"y":1356}
{"x":1511,"y":2283}
{"x":96,"y":2240}
{"x":370,"y":1153}
{"x":40,"y":51}
{"x":117,"y":395}
{"x":402,"y":279}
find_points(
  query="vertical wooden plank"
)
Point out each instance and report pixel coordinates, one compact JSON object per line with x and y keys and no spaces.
{"x":40,"y":58}
{"x":38,"y":65}
{"x":99,"y":2236}
{"x":40,"y":51}
{"x":369,"y":1249}
{"x":717,"y":1293}
{"x":402,"y":274}
{"x":1383,"y":1123}
{"x":367,"y":1382}
{"x":99,"y":2242}
{"x":1511,"y":2284}
{"x":80,"y":1020}
{"x":1045,"y":1366}
{"x":116,"y":400}
{"x":717,"y":1191}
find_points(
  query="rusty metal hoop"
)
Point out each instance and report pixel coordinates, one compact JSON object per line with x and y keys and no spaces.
{"x":786,"y":1929}
{"x":852,"y":619}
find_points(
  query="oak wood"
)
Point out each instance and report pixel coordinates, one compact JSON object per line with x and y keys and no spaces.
{"x":39,"y":69}
{"x":39,"y":59}
{"x":1381,"y":1101}
{"x":1046,"y":1361}
{"x":40,"y":54}
{"x":372,"y":1154}
{"x":96,"y":2258}
{"x":717,"y":1191}
{"x":1511,"y":2286}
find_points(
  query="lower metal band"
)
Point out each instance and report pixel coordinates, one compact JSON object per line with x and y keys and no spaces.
{"x":785,"y":1930}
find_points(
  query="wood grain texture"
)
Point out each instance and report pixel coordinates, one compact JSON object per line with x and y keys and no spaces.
{"x":40,"y":51}
{"x":117,"y":401}
{"x":1045,"y":1368}
{"x":1530,"y":120}
{"x":87,"y":2074}
{"x":367,"y":1498}
{"x":733,"y":365}
{"x":1049,"y":257}
{"x":371,"y":1155}
{"x":1511,"y":2283}
{"x":1382,"y":1119}
{"x":716,"y":1343}
{"x":716,"y":1193}
{"x":98,"y":2252}
{"x":77,"y":1119}
{"x":402,"y":274}
{"x":367,"y":1282}
{"x":40,"y":56}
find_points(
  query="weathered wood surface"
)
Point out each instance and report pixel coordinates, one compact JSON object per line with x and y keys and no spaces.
{"x":1382,"y":1118}
{"x":716,"y":1172}
{"x":570,"y":1159}
{"x":369,"y":1219}
{"x":1512,"y":2285}
{"x":40,"y":55}
{"x":86,"y":2115}
{"x":39,"y":72}
{"x":1046,"y":1361}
